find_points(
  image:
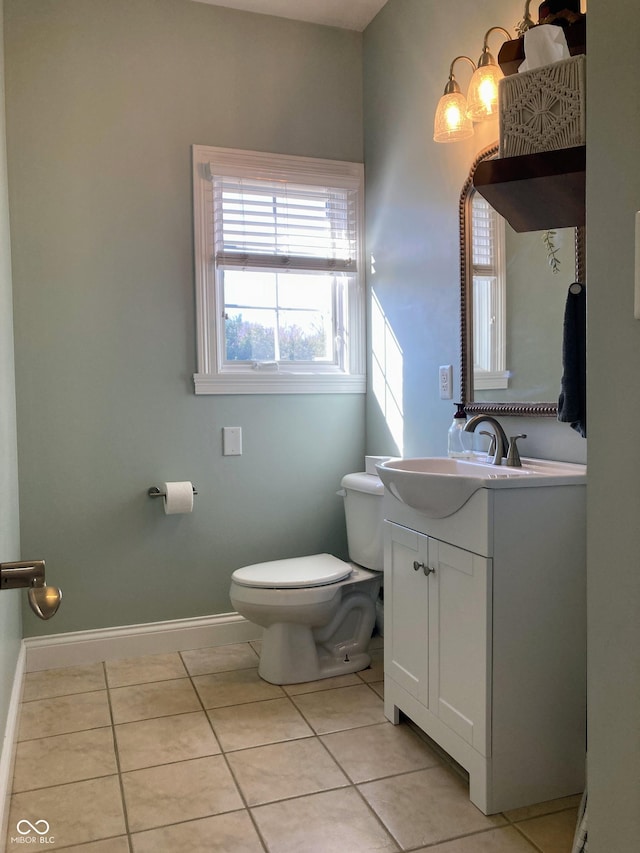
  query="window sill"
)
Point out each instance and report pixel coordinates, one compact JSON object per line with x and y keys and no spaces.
{"x":491,"y":381}
{"x":279,"y":383}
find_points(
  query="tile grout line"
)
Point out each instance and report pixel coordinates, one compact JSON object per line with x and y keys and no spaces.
{"x":460,"y":837}
{"x":221,"y":753}
{"x":526,"y":838}
{"x":315,"y":735}
{"x":377,"y":817}
{"x":352,"y":785}
{"x":61,"y":695}
{"x":524,"y":835}
{"x":226,"y":761}
{"x":75,"y":846}
{"x":72,"y":781}
{"x":118,"y":765}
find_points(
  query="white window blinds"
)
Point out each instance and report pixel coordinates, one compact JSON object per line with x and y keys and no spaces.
{"x":278,"y":256}
{"x":279,"y":224}
{"x":483,"y":230}
{"x":489,"y":296}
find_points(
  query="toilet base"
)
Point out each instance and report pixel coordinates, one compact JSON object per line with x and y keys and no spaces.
{"x":290,"y":655}
{"x":312,"y":633}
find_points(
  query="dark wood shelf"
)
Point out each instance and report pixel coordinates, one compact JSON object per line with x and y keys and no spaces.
{"x":535,"y":192}
{"x":512,"y":52}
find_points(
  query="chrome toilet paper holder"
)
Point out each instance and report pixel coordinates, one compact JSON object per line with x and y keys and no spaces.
{"x":155,"y":492}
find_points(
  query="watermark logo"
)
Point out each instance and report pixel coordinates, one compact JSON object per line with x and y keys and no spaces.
{"x":33,"y":833}
{"x":24,"y":827}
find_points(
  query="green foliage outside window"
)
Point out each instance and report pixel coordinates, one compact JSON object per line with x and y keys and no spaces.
{"x":246,"y":341}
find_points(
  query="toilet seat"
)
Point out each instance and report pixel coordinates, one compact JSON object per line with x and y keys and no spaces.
{"x":296,"y":573}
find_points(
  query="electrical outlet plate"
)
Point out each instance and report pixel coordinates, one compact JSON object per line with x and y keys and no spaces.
{"x":445,"y":381}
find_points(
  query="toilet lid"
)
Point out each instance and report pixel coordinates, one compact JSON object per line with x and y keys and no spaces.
{"x":297,"y":573}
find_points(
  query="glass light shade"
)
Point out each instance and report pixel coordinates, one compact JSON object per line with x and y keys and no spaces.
{"x":482,"y":97}
{"x":451,"y":122}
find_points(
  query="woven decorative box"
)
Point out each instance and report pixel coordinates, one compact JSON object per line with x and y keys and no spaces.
{"x":543,"y":109}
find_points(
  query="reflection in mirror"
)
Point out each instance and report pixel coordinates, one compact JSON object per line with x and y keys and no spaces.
{"x":514,"y":289}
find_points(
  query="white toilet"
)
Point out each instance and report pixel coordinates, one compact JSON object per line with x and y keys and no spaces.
{"x":318,"y":612}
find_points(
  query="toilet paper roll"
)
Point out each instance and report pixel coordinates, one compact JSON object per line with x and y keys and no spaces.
{"x":178,"y":497}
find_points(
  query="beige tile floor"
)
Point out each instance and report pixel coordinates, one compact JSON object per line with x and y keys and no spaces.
{"x":193,"y":753}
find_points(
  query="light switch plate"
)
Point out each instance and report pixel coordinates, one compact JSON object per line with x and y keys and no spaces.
{"x":232,"y":441}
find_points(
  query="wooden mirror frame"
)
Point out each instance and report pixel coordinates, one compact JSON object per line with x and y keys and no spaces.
{"x":519,"y":408}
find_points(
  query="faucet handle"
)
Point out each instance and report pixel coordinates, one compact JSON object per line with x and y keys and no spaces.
{"x":492,"y":443}
{"x":513,"y":456}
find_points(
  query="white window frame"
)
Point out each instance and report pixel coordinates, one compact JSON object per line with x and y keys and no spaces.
{"x":216,"y":377}
{"x":490,"y":330}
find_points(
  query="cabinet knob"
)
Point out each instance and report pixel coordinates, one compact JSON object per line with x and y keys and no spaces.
{"x":426,"y":569}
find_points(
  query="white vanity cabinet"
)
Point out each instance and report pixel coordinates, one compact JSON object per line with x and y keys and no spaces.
{"x":485,"y":638}
{"x":435,"y":586}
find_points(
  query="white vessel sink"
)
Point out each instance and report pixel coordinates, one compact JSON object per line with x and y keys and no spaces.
{"x":438,"y":486}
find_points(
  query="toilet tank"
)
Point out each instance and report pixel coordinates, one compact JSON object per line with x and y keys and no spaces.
{"x":364,"y":516}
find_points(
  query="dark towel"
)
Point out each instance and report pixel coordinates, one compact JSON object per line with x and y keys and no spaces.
{"x":572,"y":404}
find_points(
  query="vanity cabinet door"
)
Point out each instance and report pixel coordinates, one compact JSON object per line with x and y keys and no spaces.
{"x":407,"y":610}
{"x":459,"y":641}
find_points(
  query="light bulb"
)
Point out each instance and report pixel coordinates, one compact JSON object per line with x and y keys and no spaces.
{"x":482,"y":97}
{"x":451,"y":122}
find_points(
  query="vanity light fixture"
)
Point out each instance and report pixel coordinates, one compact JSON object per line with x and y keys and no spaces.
{"x":452,"y":122}
{"x":482,"y":97}
{"x":527,"y":21}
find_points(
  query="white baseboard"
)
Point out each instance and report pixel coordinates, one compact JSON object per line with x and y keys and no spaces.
{"x":9,"y":741}
{"x":155,"y":638}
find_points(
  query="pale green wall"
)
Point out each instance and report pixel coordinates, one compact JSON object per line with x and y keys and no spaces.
{"x":10,"y":623}
{"x":413,"y":188}
{"x":613,"y":197}
{"x":104,"y":100}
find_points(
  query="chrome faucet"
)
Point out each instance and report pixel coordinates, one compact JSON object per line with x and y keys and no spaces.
{"x":501,"y":438}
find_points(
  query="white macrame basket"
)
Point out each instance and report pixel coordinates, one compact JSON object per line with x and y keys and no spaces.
{"x":543,"y":109}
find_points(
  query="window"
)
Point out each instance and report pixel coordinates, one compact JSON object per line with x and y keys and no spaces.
{"x":280,"y":295}
{"x":489,"y":296}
